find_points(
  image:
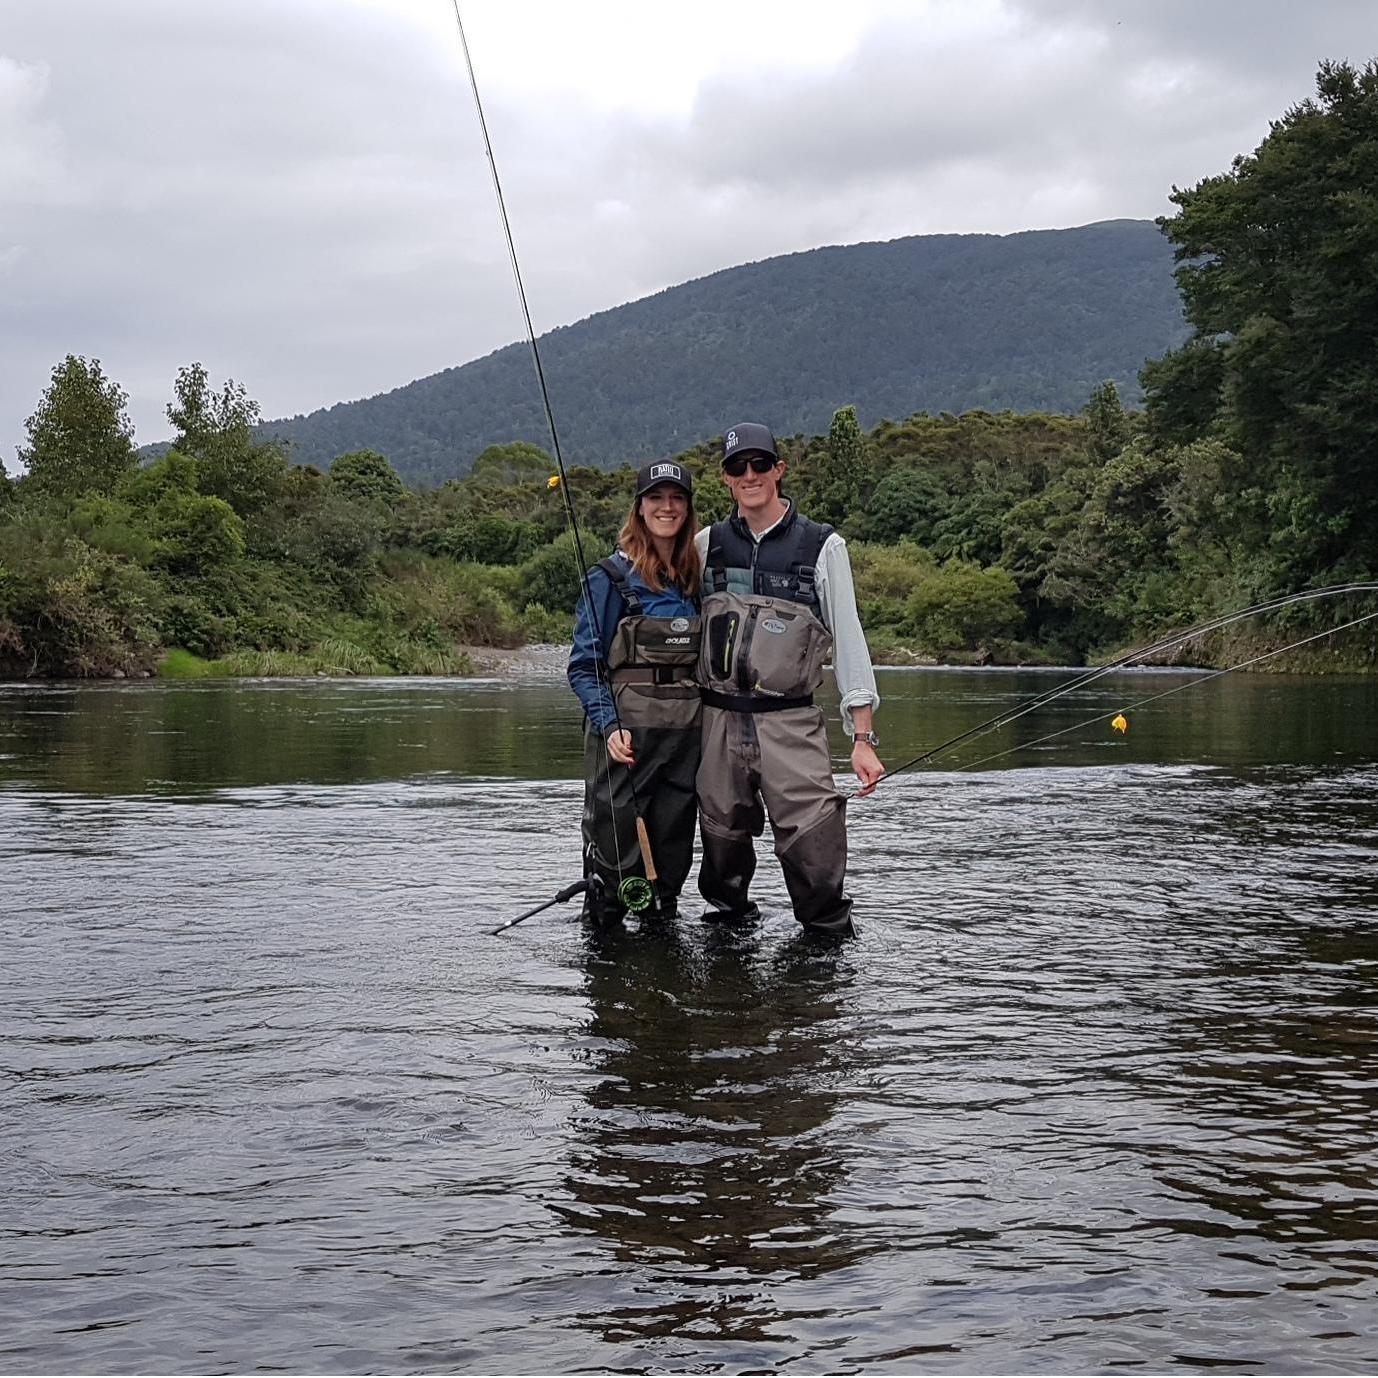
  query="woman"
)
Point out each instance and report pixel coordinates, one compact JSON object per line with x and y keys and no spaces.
{"x":641,"y":744}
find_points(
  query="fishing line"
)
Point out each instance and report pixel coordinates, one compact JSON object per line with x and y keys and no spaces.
{"x":1176,"y":689}
{"x":1167,"y":643}
{"x":624,"y":882}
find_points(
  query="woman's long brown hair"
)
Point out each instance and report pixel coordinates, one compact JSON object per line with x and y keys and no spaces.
{"x":684,"y":570}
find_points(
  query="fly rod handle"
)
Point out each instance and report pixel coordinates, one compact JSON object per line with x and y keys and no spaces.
{"x":643,"y":841}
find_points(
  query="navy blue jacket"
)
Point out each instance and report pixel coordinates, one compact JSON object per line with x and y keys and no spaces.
{"x":588,"y":658}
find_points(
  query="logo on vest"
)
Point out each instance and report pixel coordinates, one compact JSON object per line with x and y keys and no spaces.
{"x":773,"y":624}
{"x":677,"y":640}
{"x":680,"y":624}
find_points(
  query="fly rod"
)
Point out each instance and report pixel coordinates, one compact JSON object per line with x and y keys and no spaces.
{"x":1173,"y":641}
{"x":636,"y":893}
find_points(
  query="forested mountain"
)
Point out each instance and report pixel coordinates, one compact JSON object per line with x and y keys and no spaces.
{"x":1030,"y":321}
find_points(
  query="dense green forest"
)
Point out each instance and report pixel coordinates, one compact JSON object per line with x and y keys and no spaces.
{"x":1027,"y":321}
{"x":1251,"y":470}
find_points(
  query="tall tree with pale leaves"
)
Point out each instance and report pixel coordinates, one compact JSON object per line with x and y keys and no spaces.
{"x":80,"y":437}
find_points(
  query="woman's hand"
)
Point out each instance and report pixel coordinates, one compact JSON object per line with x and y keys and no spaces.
{"x":620,"y":747}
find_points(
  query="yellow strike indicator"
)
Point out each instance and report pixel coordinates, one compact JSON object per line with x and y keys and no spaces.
{"x":553,"y":481}
{"x":1120,"y":723}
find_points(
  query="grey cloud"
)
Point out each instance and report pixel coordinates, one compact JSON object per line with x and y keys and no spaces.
{"x":1259,"y":41}
{"x":296,"y":194}
{"x":283,"y":197}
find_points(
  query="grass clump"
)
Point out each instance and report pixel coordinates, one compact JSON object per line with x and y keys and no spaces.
{"x":179,"y":664}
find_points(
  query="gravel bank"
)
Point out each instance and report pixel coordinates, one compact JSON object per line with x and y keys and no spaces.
{"x":521,"y":662}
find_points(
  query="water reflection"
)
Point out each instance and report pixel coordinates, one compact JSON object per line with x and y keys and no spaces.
{"x":705,"y":1157}
{"x":183,"y":738}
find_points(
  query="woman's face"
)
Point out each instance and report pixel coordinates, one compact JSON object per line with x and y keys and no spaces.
{"x":664,"y":509}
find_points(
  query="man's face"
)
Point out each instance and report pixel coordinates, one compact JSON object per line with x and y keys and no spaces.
{"x":752,"y":491}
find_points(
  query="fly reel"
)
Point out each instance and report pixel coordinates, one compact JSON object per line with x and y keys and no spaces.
{"x":635,"y":894}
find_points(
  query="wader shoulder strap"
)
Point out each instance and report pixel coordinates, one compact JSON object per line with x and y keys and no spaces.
{"x":806,"y":570}
{"x":613,"y":569}
{"x":715,"y":567}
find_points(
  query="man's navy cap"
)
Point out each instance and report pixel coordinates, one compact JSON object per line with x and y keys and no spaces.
{"x":749,"y":438}
{"x":663,"y":471}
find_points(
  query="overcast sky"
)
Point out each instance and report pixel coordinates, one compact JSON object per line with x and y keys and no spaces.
{"x":294,"y":192}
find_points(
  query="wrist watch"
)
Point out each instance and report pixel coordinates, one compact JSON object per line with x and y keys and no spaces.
{"x":870,"y":738}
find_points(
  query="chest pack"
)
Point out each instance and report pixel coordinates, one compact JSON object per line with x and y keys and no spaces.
{"x":652,"y":661}
{"x":765,"y":644}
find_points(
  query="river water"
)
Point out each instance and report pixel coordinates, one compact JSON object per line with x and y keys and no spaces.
{"x":1096,"y":1089}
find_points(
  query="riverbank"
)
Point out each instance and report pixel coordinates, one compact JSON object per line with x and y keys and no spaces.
{"x":548,"y":660}
{"x":542,"y":660}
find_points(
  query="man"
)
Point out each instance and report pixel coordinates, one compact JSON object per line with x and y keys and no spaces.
{"x":778,"y":595}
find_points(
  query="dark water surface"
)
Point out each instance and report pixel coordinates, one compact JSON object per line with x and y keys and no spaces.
{"x":1097,"y":1088}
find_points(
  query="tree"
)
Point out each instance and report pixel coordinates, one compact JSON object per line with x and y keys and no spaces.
{"x":217,"y":430}
{"x":196,"y":533}
{"x":491,"y":540}
{"x":202,"y":418}
{"x":171,"y":472}
{"x":1276,"y":270}
{"x":908,"y":501}
{"x":1106,"y":422}
{"x":959,"y":606}
{"x":835,"y":490}
{"x":551,"y":577}
{"x":1119,"y":542}
{"x":517,"y":462}
{"x":366,"y":476}
{"x":712,"y":498}
{"x":80,"y":437}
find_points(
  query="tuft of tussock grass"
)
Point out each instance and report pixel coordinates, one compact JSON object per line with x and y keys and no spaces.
{"x":263,"y":665}
{"x":336,"y":656}
{"x":417,"y":658}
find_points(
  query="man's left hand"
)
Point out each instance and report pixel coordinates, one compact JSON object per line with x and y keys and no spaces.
{"x":866,"y":767}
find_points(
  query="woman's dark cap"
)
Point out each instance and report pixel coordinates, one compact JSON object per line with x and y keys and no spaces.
{"x":663,"y":471}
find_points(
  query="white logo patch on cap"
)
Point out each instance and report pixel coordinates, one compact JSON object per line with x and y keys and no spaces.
{"x":731,"y":439}
{"x":667,"y":471}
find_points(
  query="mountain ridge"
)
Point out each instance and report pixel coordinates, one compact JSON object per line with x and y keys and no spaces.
{"x":1028,"y":321}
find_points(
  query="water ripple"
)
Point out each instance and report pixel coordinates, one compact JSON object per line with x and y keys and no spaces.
{"x":1097,"y":1087}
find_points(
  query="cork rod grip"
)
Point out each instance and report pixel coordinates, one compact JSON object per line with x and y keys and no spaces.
{"x":644,"y":842}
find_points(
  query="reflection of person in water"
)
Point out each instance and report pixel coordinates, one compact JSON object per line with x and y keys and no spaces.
{"x":705,"y":1146}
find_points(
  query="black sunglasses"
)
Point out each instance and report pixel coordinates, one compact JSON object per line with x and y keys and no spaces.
{"x":760,"y":464}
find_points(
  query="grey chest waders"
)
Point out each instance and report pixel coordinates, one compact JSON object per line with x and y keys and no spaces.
{"x":639,"y":857}
{"x":765,"y":747}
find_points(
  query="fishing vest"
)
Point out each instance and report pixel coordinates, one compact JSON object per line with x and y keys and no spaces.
{"x":765,"y":644}
{"x":651,"y":661}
